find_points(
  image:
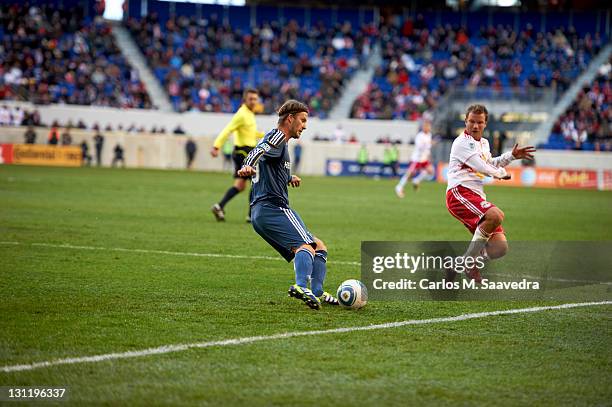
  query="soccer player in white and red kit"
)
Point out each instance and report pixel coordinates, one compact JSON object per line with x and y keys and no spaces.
{"x":420,"y":161}
{"x":470,"y":162}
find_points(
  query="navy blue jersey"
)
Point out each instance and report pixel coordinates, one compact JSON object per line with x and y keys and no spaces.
{"x":271,"y":159}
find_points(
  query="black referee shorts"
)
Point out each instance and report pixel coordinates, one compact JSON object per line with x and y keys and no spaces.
{"x":239,"y":154}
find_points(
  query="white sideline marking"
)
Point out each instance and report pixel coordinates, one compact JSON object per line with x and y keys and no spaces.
{"x":239,"y":256}
{"x":121,"y":249}
{"x":241,"y":341}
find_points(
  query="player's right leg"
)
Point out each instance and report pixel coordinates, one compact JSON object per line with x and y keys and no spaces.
{"x":488,"y":240}
{"x":285,"y":232}
{"x":319,"y":271}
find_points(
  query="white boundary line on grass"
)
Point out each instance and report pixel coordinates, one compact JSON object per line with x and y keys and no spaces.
{"x":149,"y":251}
{"x":251,"y":339}
{"x":239,"y":256}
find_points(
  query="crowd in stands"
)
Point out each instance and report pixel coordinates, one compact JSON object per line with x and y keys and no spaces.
{"x":51,"y":54}
{"x":421,"y":62}
{"x":587,"y":123}
{"x":55,"y":55}
{"x":205,"y":65}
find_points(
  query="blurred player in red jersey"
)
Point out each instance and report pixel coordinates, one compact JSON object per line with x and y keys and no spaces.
{"x":420,"y":161}
{"x":470,"y":162}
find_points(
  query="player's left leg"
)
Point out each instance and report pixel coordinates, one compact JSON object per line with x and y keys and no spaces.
{"x":496,"y":247}
{"x":303,"y":265}
{"x":319,"y":271}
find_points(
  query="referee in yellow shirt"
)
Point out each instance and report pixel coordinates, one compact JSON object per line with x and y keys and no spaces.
{"x":245,"y":139}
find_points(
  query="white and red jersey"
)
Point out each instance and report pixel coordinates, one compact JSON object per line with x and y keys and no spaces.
{"x":422,"y":147}
{"x":459,"y":173}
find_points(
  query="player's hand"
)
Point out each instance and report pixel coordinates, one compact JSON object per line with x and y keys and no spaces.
{"x":523,"y":153}
{"x":295,"y":181}
{"x":214,"y":151}
{"x":246,"y":171}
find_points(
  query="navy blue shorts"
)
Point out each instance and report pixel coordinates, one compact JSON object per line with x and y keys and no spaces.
{"x":282,"y":228}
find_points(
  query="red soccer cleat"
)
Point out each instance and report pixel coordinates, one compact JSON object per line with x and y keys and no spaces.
{"x":474,"y":274}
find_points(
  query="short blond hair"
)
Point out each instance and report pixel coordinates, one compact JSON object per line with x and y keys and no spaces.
{"x":477,"y":109}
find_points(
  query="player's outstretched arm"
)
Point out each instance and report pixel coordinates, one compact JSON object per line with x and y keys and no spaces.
{"x":502,"y":160}
{"x":516,"y":154}
{"x":478,"y":164}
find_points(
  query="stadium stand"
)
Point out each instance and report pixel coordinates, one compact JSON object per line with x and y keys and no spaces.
{"x":205,"y":64}
{"x":56,"y":55}
{"x":206,"y":55}
{"x":587,"y":123}
{"x":421,"y":60}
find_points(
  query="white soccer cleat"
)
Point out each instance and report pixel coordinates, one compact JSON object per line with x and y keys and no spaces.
{"x":399,"y":191}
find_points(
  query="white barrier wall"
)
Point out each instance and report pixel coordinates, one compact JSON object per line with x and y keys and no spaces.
{"x":168,"y":151}
{"x":210,"y":124}
{"x":165,"y":151}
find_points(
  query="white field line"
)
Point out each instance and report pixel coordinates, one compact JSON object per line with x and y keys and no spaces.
{"x":251,"y":339}
{"x":558,"y":280}
{"x":238,"y":256}
{"x":170,"y":253}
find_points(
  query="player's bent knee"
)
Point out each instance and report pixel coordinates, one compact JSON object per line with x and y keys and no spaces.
{"x":320,"y":244}
{"x":497,"y":249}
{"x":306,"y":247}
{"x":495,"y":215}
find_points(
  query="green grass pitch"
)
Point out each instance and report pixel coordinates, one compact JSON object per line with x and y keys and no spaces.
{"x":70,"y":302}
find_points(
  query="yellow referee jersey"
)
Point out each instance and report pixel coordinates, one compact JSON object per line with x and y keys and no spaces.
{"x":244,"y":128}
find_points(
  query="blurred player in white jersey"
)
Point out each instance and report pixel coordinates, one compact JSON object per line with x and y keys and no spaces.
{"x":470,"y":162}
{"x":419,"y":162}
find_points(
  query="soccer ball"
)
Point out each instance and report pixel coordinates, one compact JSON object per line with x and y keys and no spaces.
{"x":352,"y":294}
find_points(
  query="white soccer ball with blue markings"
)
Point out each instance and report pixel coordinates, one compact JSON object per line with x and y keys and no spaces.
{"x":352,"y":294}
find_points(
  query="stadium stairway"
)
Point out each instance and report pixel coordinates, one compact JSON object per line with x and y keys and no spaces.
{"x":130,"y":50}
{"x":588,"y":76}
{"x":356,"y":86}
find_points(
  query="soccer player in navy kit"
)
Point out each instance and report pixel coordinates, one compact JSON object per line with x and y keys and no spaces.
{"x":271,"y":216}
